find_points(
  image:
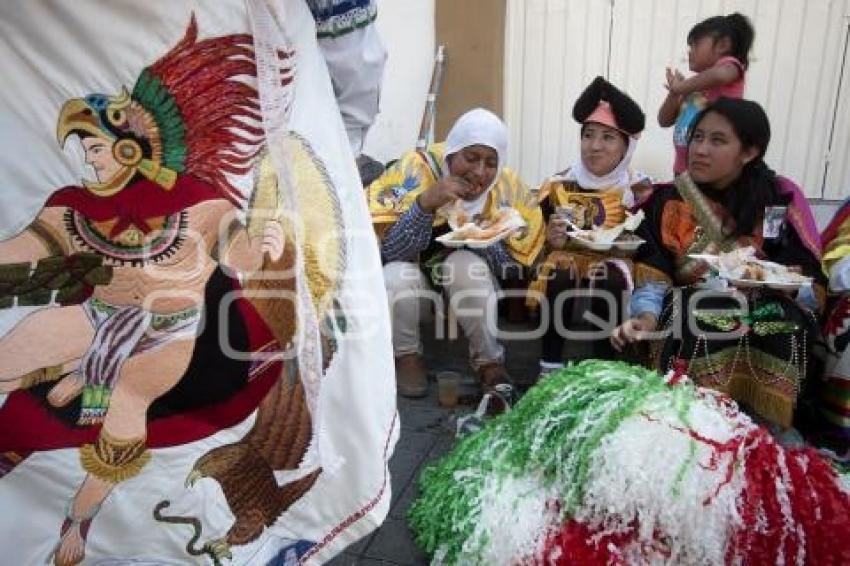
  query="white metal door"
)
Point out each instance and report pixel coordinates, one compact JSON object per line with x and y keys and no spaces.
{"x":837,"y":177}
{"x":795,"y":70}
{"x":553,"y":49}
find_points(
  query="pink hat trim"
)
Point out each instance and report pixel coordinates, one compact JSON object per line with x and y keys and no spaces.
{"x":603,"y":115}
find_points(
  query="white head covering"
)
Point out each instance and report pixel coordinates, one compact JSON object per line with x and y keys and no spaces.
{"x":478,"y":127}
{"x":619,"y":177}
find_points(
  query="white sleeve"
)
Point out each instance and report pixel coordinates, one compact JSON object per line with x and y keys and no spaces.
{"x":355,"y":62}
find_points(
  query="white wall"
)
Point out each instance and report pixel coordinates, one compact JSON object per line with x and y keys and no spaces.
{"x":407,"y":28}
{"x":553,"y":49}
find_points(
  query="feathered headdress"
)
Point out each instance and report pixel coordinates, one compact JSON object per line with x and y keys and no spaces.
{"x":194,"y":111}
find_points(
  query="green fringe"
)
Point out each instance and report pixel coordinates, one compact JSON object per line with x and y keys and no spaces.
{"x":153,"y":95}
{"x":553,"y":431}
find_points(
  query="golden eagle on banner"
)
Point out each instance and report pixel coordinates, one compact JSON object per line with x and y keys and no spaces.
{"x":184,"y":312}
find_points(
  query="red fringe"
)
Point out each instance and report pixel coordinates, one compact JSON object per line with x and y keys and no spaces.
{"x":573,"y":545}
{"x":221,"y":112}
{"x":816,"y":529}
{"x":237,"y":56}
{"x":820,"y":510}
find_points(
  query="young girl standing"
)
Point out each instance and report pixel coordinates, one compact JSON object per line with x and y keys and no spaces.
{"x":718,"y":51}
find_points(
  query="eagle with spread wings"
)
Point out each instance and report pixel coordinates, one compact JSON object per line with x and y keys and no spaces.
{"x":167,"y":155}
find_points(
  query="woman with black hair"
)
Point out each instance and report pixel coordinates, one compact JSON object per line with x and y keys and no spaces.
{"x":754,"y":344}
{"x":594,"y":192}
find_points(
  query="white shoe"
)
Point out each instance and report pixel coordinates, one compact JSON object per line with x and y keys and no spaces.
{"x":546,"y":368}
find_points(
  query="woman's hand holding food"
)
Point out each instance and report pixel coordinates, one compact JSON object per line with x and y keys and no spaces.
{"x":556,"y":232}
{"x":447,"y":190}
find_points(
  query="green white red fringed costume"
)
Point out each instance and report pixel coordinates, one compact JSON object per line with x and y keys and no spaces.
{"x":606,"y":463}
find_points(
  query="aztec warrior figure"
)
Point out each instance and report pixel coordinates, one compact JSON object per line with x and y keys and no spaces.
{"x":140,"y":258}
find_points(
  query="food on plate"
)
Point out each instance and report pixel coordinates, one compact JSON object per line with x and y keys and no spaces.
{"x":629,"y":238}
{"x":502,"y":221}
{"x":618,"y":233}
{"x":592,"y":236}
{"x":457,"y":215}
{"x":754,"y":272}
{"x":743,"y":265}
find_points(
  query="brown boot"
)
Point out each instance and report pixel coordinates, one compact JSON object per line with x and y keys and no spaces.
{"x":493,"y":374}
{"x":410,"y":376}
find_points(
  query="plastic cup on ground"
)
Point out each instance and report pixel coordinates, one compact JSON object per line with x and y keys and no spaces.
{"x":448,"y":383}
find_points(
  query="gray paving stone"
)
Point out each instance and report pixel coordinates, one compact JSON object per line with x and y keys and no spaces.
{"x":404,"y":500}
{"x":441,"y":447}
{"x":413,"y":440}
{"x":415,"y":417}
{"x":394,"y":542}
{"x":360,"y":546}
{"x":351,"y":560}
{"x":404,"y":468}
{"x":344,"y":559}
{"x":427,"y":433}
{"x":355,"y":550}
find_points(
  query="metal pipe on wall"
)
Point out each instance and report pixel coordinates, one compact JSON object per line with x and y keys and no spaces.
{"x":426,"y":130}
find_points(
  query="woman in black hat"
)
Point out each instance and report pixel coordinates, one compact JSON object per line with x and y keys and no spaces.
{"x":595,"y":192}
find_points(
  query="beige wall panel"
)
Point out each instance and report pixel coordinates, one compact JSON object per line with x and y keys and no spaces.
{"x":473,"y":32}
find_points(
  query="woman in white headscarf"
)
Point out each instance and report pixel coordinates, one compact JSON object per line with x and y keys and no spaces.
{"x":595,"y":192}
{"x":410,"y":204}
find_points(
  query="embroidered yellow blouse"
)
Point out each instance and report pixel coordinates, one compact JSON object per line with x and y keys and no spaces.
{"x":587,"y":209}
{"x":602,"y":208}
{"x":393,"y":193}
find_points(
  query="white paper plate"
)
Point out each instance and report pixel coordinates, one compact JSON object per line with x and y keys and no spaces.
{"x":590,"y":244}
{"x":780,"y":285}
{"x":630,"y":245}
{"x":449,"y":242}
{"x":788,"y":285}
{"x":708,"y":258}
{"x":777,"y":285}
{"x":746,"y":283}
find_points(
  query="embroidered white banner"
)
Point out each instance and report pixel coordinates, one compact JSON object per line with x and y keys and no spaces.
{"x":194,"y":363}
